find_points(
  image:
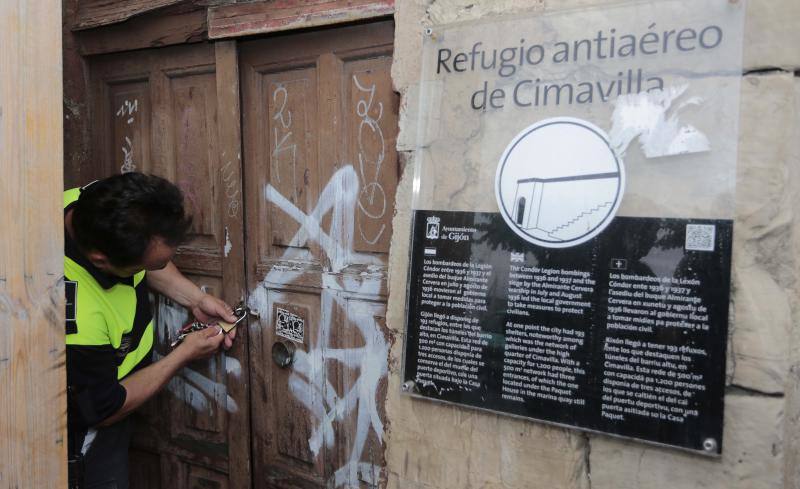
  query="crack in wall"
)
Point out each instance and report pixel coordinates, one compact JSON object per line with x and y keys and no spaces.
{"x":587,"y":454}
{"x":767,"y":70}
{"x":749,"y":391}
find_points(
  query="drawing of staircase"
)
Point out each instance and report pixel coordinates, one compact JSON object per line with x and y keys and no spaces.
{"x":581,"y":218}
{"x":561,"y":208}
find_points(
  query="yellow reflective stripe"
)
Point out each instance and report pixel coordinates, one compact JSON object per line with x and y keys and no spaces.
{"x":91,"y":322}
{"x":134,"y":357}
{"x":138,"y":278}
{"x":71,"y":196}
{"x":116,"y":308}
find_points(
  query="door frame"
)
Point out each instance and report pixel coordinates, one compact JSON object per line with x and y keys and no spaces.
{"x":225,"y":25}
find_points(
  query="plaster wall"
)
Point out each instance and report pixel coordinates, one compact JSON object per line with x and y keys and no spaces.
{"x":435,"y":446}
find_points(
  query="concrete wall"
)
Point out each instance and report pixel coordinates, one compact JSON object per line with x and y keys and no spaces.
{"x":435,"y":446}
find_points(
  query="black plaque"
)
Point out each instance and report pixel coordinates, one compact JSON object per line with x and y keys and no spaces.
{"x":623,"y":334}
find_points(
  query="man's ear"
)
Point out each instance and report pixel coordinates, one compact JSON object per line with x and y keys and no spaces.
{"x":99,"y":259}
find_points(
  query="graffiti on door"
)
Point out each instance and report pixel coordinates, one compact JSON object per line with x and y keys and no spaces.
{"x":127,"y":112}
{"x":190,"y":386}
{"x":340,"y":197}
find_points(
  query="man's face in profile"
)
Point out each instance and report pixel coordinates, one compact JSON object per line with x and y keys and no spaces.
{"x":156,"y":257}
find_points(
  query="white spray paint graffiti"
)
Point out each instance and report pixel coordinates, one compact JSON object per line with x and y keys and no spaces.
{"x":231,"y":184}
{"x":128,"y":111}
{"x":308,"y":380}
{"x":195,"y":389}
{"x":372,"y":189}
{"x":127,"y":157}
{"x":228,"y":244}
{"x":285,"y":143}
{"x":645,"y":115}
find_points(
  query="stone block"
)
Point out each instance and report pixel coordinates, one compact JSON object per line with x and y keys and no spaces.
{"x":761,"y":331}
{"x":764,"y":265}
{"x":399,"y":250}
{"x":434,"y":445}
{"x":792,"y":409}
{"x":772,"y":35}
{"x":766,"y":144}
{"x":410,"y":17}
{"x":447,"y":11}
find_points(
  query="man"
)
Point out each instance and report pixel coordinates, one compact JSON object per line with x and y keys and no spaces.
{"x":120,"y":236}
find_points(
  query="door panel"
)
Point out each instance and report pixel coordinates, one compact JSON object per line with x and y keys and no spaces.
{"x":194,"y":111}
{"x":292,"y":127}
{"x":283,"y":433}
{"x":371,"y":106}
{"x":148,"y":464}
{"x":130,"y":118}
{"x":200,"y":478}
{"x":157,"y":111}
{"x":319,"y":126}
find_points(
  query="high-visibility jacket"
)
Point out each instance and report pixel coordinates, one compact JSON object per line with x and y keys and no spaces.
{"x":109,"y":334}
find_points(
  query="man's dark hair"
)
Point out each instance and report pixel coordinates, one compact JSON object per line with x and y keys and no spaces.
{"x":120,"y":215}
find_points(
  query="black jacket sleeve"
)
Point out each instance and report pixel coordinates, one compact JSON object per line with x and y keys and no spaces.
{"x":94,"y":391}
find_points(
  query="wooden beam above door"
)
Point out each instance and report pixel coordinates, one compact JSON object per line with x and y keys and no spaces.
{"x":148,"y":31}
{"x":96,"y":13}
{"x":238,"y":20}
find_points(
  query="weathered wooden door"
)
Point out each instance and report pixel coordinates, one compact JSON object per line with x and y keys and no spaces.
{"x":174,"y":112}
{"x":321,"y":170}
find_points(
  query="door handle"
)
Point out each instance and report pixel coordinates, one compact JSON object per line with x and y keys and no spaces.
{"x":283,"y":353}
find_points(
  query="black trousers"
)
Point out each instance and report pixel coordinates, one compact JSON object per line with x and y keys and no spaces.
{"x":106,"y":461}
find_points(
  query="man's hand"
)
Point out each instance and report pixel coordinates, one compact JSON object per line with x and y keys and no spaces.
{"x":206,"y":308}
{"x":201,"y":344}
{"x":209,"y":309}
{"x":143,"y":384}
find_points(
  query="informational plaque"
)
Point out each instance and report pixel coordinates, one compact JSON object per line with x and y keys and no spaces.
{"x":573,"y":218}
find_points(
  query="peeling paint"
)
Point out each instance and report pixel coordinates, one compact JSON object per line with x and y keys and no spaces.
{"x":644,"y":115}
{"x":228,"y":245}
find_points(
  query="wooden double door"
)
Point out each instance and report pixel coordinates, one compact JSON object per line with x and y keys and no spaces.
{"x":284,"y":148}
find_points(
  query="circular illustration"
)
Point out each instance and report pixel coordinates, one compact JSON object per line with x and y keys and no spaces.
{"x":559,"y":183}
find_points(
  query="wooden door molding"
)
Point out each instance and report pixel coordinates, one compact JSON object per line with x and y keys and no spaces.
{"x":231,"y":208}
{"x":95,"y":13}
{"x":263,"y":17}
{"x":148,"y":31}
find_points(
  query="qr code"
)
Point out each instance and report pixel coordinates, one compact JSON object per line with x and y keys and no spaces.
{"x":700,"y":237}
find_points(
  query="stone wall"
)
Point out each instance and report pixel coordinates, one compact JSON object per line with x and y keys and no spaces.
{"x":432,"y":445}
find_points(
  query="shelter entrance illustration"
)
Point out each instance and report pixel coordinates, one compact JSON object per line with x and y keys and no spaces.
{"x":559,"y":183}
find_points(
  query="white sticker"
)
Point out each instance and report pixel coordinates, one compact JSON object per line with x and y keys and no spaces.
{"x":559,"y":183}
{"x":288,"y":325}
